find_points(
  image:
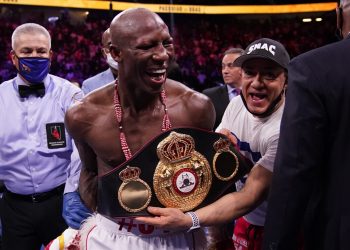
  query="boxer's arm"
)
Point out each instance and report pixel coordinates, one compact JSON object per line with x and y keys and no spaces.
{"x":74,"y":211}
{"x":77,"y":206}
{"x":201,"y":111}
{"x":88,"y":176}
{"x":73,"y":171}
{"x":78,"y":121}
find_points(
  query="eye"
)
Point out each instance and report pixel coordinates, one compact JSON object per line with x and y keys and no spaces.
{"x":168,"y":43}
{"x":249,"y":73}
{"x":26,"y":51}
{"x":230,"y":65}
{"x":270,"y":76}
{"x":42,"y":51}
{"x":145,"y":47}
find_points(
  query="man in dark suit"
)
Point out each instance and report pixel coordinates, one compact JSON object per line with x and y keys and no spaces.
{"x":309,"y":197}
{"x":221,"y":95}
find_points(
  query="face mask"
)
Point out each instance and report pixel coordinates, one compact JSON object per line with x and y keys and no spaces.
{"x":113,"y":64}
{"x":33,"y":69}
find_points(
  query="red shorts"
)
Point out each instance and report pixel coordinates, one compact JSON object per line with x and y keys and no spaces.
{"x":247,"y":236}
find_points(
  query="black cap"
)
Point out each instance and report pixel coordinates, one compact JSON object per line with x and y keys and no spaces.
{"x":267,"y":49}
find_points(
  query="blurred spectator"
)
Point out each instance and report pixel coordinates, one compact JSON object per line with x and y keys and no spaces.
{"x":106,"y":76}
{"x":222,"y":95}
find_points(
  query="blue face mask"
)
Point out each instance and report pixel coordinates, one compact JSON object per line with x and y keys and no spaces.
{"x":33,"y":69}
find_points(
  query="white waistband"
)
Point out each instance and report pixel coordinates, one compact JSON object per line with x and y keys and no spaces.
{"x":129,"y":226}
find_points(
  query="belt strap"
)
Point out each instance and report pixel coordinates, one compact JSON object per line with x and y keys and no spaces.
{"x":38,"y":197}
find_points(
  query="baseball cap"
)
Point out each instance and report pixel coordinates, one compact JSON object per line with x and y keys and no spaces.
{"x":265,"y":48}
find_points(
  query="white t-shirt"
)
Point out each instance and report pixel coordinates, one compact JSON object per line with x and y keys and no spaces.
{"x":258,"y":141}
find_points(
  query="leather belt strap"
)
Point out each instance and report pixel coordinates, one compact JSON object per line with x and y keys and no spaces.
{"x":39,"y":197}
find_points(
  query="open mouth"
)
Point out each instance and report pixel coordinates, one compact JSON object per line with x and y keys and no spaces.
{"x":157,"y":76}
{"x":257,"y":98}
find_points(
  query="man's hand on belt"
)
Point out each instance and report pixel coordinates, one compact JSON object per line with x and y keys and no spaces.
{"x":229,"y":135}
{"x":74,"y":210}
{"x":167,"y":218}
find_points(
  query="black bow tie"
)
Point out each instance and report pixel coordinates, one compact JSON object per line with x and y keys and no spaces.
{"x":35,"y":89}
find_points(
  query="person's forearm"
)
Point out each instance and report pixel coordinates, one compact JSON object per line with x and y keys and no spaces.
{"x":224,"y":210}
{"x":236,"y":204}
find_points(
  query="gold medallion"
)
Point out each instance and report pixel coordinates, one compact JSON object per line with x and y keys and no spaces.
{"x":182,"y":178}
{"x":134,"y":194}
{"x":224,"y":154}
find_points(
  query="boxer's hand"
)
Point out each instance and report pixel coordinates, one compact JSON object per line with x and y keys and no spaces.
{"x":167,"y":218}
{"x":74,"y":210}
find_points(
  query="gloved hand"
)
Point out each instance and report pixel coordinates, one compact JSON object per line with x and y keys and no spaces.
{"x":74,"y":210}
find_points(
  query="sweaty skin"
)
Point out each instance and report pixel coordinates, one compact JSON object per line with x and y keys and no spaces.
{"x":142,"y":46}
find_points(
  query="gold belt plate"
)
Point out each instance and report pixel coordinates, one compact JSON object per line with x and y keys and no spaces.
{"x":182,"y":178}
{"x":134,"y":194}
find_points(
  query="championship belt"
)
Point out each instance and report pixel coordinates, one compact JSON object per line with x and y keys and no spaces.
{"x":184,"y":168}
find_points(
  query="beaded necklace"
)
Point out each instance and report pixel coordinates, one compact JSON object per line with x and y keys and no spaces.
{"x":166,"y":124}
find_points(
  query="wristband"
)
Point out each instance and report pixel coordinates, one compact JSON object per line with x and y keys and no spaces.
{"x":195,"y":221}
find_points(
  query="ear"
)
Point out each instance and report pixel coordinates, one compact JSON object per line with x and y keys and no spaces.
{"x":104,"y":53}
{"x":339,"y":11}
{"x":13,"y":57}
{"x":115,"y":53}
{"x":285,"y":81}
{"x":50,"y":54}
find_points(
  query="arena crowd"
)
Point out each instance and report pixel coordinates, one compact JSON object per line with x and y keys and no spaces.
{"x":199,"y":44}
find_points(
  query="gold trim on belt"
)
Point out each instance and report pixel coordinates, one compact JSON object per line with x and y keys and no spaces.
{"x":134,"y":194}
{"x":222,"y":148}
{"x":182,"y":178}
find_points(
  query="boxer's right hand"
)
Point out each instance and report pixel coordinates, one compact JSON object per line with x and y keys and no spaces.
{"x":74,"y":210}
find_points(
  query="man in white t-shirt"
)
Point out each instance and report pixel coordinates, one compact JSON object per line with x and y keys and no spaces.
{"x":252,"y":123}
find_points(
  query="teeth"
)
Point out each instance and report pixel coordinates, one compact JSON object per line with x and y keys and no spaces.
{"x":159,"y":71}
{"x":158,"y":77}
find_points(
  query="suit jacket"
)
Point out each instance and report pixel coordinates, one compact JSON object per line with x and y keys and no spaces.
{"x":220,"y":99}
{"x":311,"y":179}
{"x":97,"y":81}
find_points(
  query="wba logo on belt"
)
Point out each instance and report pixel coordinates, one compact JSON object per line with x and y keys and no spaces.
{"x":183,"y":176}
